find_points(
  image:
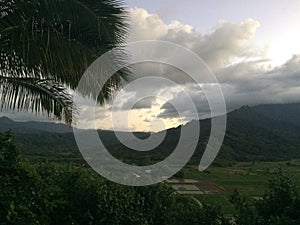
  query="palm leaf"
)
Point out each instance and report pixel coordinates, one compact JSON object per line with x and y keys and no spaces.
{"x":58,"y":39}
{"x":31,"y":94}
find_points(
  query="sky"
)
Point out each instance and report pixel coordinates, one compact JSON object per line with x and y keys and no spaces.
{"x":251,"y":46}
{"x":278,"y":19}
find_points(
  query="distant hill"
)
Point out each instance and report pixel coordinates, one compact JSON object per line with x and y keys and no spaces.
{"x":255,"y":133}
{"x":265,"y":132}
{"x":32,"y":126}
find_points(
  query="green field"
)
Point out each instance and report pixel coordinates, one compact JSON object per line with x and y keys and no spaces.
{"x":249,"y":178}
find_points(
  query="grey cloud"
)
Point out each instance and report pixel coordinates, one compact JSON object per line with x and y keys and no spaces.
{"x":247,"y":84}
{"x":134,"y":100}
{"x":145,"y":103}
{"x":147,"y":120}
{"x":180,"y":104}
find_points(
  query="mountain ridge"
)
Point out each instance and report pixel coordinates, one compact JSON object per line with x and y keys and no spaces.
{"x":265,"y":132}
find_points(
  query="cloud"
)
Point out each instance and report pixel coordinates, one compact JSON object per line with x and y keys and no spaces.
{"x":145,"y":103}
{"x":140,"y":23}
{"x":191,"y":103}
{"x":240,"y":66}
{"x":224,"y":43}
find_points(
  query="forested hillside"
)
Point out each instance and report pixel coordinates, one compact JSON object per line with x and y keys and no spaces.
{"x":267,"y":132}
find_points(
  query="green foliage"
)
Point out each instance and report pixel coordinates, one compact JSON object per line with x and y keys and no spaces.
{"x":191,"y":211}
{"x":246,"y":211}
{"x":9,"y":155}
{"x":23,"y":199}
{"x":47,"y":45}
{"x":280,"y":204}
{"x":69,"y":193}
{"x":66,"y":193}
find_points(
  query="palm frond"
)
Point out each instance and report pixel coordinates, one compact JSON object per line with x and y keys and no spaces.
{"x":31,"y":94}
{"x":56,"y":40}
{"x":61,"y":38}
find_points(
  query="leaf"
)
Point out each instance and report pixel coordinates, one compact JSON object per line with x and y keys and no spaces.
{"x":55,"y":41}
{"x":31,"y":94}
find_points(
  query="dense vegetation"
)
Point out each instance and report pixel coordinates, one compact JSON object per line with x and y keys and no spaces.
{"x":44,"y":192}
{"x":279,"y":205}
{"x":64,"y":193}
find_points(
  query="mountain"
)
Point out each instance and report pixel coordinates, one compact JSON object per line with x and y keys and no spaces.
{"x":54,"y":140}
{"x":265,"y":132}
{"x":261,"y":133}
{"x":32,"y":126}
{"x":252,"y":133}
{"x":283,"y":118}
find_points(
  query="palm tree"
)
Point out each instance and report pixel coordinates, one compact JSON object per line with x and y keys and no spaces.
{"x":46,"y":45}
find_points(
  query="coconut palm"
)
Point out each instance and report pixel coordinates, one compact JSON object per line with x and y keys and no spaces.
{"x":46,"y":45}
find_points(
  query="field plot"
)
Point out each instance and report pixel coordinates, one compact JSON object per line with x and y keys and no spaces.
{"x":216,"y":184}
